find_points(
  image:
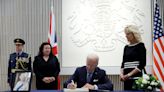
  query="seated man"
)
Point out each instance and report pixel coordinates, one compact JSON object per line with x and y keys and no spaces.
{"x":89,"y":76}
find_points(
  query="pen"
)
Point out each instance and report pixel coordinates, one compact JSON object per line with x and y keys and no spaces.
{"x":72,"y":82}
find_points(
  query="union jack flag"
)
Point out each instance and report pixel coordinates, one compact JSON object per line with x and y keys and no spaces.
{"x":52,"y":37}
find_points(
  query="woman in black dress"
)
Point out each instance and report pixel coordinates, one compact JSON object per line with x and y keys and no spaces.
{"x":134,"y":57}
{"x":46,"y":68}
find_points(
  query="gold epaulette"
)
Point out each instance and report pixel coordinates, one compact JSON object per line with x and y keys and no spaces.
{"x":14,"y":70}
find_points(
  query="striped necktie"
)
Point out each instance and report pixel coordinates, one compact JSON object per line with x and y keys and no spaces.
{"x":89,"y":76}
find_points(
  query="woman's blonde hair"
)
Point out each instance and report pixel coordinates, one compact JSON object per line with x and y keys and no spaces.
{"x":133,"y":29}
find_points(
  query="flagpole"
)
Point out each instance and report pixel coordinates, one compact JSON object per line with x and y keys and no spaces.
{"x":52,"y":4}
{"x":53,"y":37}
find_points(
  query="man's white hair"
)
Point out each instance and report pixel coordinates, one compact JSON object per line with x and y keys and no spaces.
{"x":133,"y":29}
{"x":93,"y":56}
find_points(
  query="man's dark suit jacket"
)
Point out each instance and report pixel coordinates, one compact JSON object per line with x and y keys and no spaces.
{"x":12,"y":65}
{"x":99,"y":78}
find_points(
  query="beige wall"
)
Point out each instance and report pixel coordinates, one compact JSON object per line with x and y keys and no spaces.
{"x":29,"y":19}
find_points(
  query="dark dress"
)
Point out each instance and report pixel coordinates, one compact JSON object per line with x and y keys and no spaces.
{"x":133,"y":57}
{"x":46,"y":69}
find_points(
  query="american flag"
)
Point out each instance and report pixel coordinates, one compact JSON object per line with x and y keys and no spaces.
{"x":52,"y":37}
{"x":158,"y":47}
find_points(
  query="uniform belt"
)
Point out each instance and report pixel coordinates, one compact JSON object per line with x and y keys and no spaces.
{"x":14,"y":70}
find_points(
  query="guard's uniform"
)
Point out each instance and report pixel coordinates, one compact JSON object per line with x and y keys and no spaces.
{"x":18,"y":62}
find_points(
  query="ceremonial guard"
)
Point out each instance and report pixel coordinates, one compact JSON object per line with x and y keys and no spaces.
{"x":18,"y":61}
